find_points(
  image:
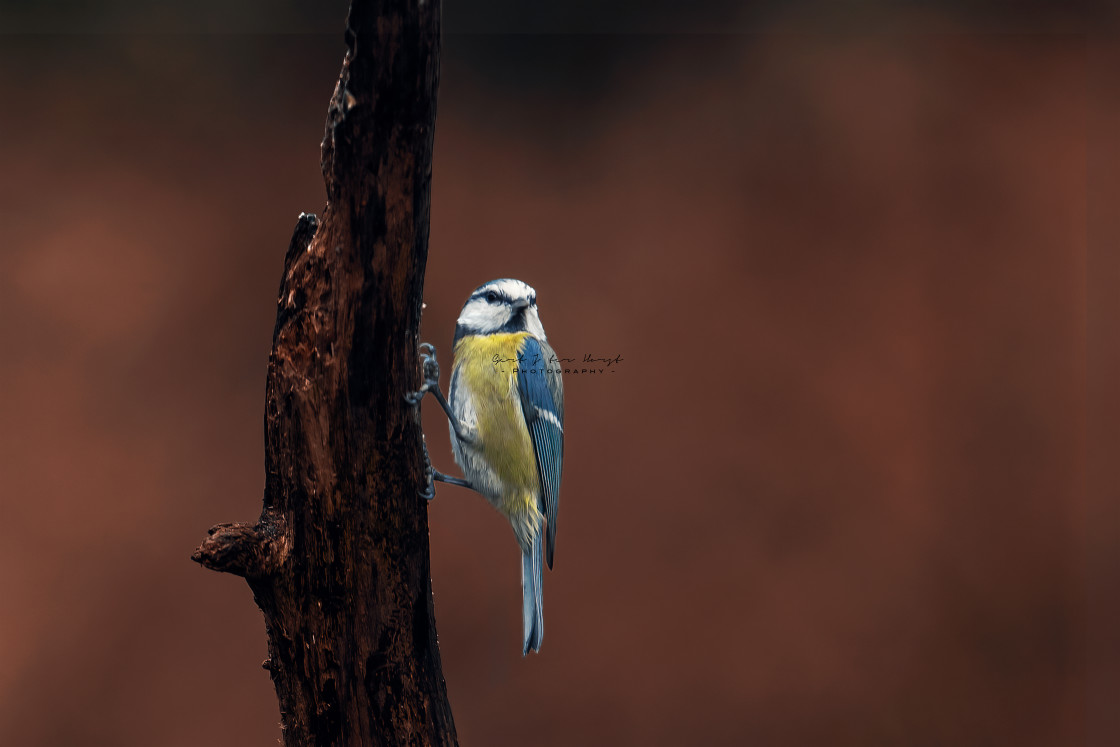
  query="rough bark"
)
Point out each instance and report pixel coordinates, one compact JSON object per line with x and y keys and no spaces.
{"x":338,"y":561}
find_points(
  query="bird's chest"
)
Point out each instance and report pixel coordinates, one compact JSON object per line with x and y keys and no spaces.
{"x":486,"y":392}
{"x":487,"y":367}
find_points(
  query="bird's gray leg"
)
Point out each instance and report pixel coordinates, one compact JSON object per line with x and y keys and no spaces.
{"x":452,"y":480}
{"x":430,"y":474}
{"x":431,"y":384}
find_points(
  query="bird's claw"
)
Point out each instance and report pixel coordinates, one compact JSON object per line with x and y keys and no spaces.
{"x":430,"y":366}
{"x":429,"y":492}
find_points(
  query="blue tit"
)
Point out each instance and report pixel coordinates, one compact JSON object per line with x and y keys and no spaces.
{"x":506,"y":414}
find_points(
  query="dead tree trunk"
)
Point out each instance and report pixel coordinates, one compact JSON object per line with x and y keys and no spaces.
{"x":338,"y":561}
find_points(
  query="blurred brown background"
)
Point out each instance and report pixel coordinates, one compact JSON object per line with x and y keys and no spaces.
{"x":834,"y":494}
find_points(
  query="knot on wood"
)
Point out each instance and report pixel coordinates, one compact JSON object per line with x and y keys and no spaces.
{"x":248,"y":550}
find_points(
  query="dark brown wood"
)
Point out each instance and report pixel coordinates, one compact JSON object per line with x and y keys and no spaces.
{"x":338,"y":561}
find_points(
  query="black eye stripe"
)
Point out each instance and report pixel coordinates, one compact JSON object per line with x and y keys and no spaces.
{"x":495,"y":296}
{"x":488,"y":296}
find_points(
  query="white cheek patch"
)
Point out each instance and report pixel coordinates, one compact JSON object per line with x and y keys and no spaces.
{"x":484,"y":317}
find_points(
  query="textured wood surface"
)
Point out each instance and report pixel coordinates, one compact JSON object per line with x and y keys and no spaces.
{"x":338,"y":561}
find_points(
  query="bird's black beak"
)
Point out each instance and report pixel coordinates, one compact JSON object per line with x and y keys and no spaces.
{"x":520,"y":304}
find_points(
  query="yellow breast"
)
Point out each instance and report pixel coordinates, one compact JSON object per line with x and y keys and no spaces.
{"x":486,"y":367}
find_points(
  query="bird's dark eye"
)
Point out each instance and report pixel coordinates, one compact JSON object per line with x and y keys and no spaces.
{"x":533,"y":301}
{"x":491,"y":297}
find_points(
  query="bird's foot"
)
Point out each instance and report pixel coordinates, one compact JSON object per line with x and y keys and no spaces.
{"x":430,"y":367}
{"x":429,"y":492}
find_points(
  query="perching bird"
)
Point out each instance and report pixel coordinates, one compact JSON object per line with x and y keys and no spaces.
{"x":507,"y":424}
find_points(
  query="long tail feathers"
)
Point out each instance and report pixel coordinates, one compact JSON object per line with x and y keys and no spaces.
{"x":532,"y":601}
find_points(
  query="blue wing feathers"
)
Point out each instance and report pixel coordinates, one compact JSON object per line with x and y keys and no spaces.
{"x":543,"y":407}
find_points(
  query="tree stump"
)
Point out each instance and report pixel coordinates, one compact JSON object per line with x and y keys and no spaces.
{"x":338,"y":561}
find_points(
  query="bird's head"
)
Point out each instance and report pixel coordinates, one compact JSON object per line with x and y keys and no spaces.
{"x":503,"y":305}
